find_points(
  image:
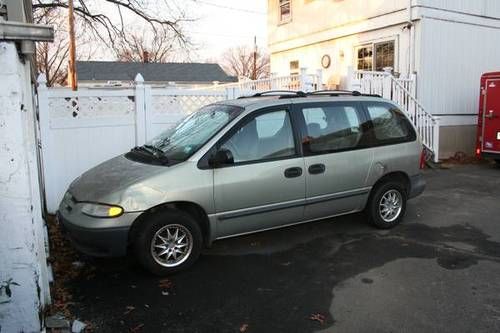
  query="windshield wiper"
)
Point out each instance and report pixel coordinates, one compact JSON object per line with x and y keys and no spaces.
{"x":153,"y":151}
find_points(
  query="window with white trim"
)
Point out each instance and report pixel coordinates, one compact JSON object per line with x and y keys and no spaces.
{"x":285,"y":11}
{"x":376,"y":56}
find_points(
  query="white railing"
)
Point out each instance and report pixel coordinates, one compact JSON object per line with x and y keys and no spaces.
{"x":302,"y":81}
{"x":403,"y":92}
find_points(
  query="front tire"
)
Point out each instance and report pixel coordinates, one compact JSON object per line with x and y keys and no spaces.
{"x":387,"y":205}
{"x":168,"y":242}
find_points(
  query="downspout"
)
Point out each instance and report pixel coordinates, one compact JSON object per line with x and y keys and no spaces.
{"x":411,"y":47}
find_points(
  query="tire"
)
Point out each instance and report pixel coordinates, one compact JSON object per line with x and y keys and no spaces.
{"x":498,"y":162}
{"x":157,"y":236}
{"x":391,"y":193}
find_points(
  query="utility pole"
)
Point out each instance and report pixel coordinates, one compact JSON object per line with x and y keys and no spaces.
{"x":254,"y":74}
{"x":72,"y":48}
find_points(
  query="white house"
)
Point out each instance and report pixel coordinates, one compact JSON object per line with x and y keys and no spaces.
{"x":445,"y":44}
{"x":24,"y":275}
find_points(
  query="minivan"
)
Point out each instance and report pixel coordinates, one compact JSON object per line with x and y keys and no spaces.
{"x":236,"y":167}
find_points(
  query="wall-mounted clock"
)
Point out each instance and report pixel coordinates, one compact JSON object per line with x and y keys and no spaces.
{"x":326,"y":61}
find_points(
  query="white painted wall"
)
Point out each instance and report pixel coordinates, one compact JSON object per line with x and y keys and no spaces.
{"x":22,"y":253}
{"x":452,"y":60}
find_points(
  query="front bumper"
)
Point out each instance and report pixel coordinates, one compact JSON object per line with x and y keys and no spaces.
{"x":417,"y":186}
{"x":98,"y":237}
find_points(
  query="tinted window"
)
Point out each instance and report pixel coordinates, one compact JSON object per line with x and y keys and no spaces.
{"x":389,"y":124}
{"x":267,"y":136}
{"x":332,"y":128}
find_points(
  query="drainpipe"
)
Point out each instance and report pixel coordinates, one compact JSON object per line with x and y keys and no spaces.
{"x":411,"y":48}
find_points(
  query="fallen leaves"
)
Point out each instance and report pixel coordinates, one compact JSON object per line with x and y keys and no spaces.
{"x":129,"y":309}
{"x":243,"y":328}
{"x":318,"y":317}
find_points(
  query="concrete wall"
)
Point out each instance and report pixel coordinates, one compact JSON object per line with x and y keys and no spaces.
{"x":22,"y":252}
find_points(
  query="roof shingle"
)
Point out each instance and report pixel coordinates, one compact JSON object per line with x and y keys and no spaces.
{"x":159,"y":72}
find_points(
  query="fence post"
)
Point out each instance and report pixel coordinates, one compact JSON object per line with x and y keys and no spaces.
{"x":435,"y":139}
{"x":387,"y":83}
{"x":140,"y":117}
{"x":413,"y":78}
{"x":148,"y":112}
{"x":319,"y":79}
{"x":351,"y":82}
{"x":272,"y":78}
{"x":302,"y":79}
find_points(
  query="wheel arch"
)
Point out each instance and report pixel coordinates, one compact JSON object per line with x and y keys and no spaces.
{"x":191,"y":208}
{"x":399,"y":176}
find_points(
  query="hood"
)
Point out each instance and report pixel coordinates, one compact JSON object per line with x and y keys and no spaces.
{"x":110,"y":177}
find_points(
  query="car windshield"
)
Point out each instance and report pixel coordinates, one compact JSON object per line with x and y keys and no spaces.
{"x":186,"y":137}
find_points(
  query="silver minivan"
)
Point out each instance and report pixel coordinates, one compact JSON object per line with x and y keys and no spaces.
{"x":236,"y":167}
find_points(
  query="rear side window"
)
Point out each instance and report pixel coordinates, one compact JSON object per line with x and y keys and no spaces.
{"x":332,"y":127}
{"x":389,"y":124}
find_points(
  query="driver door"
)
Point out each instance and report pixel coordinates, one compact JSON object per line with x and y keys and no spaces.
{"x":265,"y":185}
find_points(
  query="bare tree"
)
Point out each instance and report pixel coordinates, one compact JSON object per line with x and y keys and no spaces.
{"x":143,"y":48}
{"x":51,"y":58}
{"x":96,"y":22}
{"x":239,"y":62}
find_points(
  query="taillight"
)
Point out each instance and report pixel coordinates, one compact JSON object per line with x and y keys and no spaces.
{"x":478,"y":152}
{"x":422,"y":159}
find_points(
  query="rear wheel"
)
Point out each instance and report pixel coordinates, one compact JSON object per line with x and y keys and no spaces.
{"x":169,"y":241}
{"x":387,"y":205}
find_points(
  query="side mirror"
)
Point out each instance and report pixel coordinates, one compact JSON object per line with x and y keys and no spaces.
{"x":222,"y":157}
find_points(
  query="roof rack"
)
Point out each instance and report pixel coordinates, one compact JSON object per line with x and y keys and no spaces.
{"x":340,"y":92}
{"x":277,"y":93}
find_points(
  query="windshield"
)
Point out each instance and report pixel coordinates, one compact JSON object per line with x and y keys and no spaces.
{"x":186,"y":137}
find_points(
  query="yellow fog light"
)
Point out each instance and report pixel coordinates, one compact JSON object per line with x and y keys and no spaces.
{"x":115,"y":211}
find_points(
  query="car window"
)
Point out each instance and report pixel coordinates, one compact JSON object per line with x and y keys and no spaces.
{"x":331,"y":128}
{"x":267,"y":136}
{"x":389,"y":124}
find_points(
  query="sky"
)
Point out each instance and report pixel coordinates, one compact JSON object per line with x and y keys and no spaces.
{"x":217,"y":26}
{"x":222,"y":24}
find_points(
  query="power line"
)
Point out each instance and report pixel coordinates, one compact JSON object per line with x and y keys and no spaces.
{"x":230,"y":8}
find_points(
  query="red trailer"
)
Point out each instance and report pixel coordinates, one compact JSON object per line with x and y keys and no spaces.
{"x":488,"y":133}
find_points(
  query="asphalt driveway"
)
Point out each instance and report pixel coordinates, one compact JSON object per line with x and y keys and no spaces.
{"x":437,"y":272}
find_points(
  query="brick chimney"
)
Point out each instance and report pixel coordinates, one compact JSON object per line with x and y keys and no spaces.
{"x":145,"y":57}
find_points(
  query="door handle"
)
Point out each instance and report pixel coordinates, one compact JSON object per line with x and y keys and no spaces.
{"x":293,"y":172}
{"x":490,"y":115}
{"x":316,"y":169}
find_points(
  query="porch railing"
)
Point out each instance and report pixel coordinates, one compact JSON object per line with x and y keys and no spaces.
{"x":403,"y":92}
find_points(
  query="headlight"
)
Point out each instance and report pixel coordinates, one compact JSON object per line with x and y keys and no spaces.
{"x":100,"y":210}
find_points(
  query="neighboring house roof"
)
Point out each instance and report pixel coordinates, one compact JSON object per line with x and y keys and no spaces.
{"x":159,"y":72}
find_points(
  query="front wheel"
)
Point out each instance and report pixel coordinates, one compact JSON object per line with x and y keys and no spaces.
{"x":387,"y":205}
{"x":168,"y":242}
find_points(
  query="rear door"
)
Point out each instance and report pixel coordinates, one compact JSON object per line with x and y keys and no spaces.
{"x":336,"y":159}
{"x":491,"y":117}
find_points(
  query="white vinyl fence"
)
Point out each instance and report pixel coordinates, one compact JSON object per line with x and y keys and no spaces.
{"x":80,"y":129}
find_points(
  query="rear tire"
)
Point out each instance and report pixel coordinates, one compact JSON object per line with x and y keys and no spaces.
{"x":167,"y":242}
{"x":387,"y":205}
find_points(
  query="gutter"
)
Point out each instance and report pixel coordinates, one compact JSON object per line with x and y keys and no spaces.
{"x":18,"y":31}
